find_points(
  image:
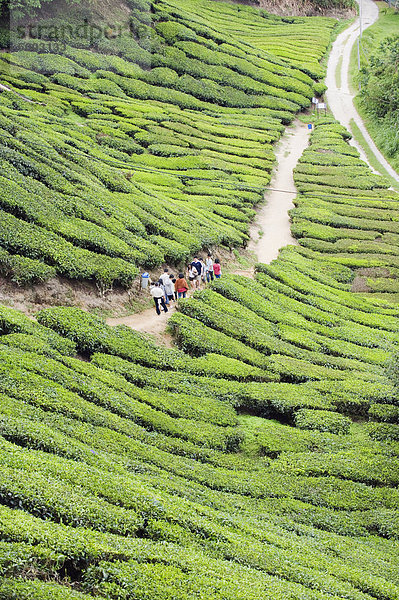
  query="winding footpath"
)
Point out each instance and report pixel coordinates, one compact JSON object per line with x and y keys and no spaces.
{"x":269,"y":232}
{"x":339,"y":97}
{"x":271,"y":229}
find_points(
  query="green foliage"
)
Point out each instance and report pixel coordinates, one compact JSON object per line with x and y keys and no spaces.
{"x":334,"y":4}
{"x":130,"y":473}
{"x":380,"y":80}
{"x":385,"y":413}
{"x":125,"y":471}
{"x":198,"y":339}
{"x":110,"y":135}
{"x":13,"y":322}
{"x":322,"y":420}
{"x":10,"y":589}
{"x":383,"y":431}
{"x":22,"y":270}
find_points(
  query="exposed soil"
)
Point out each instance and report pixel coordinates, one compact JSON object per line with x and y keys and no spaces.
{"x":271,"y":229}
{"x":63,"y":292}
{"x":302,"y":8}
{"x":359,"y":284}
{"x":117,"y":302}
{"x":374,"y":272}
{"x":150,"y":323}
{"x":155,"y":325}
{"x":296,"y":8}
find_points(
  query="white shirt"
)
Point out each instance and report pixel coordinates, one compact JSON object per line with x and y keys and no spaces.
{"x":156,"y":292}
{"x":209,"y":264}
{"x":164,"y":277}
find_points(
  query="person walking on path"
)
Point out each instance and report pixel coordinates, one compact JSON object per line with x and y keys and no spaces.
{"x":158,"y":294}
{"x":163,"y":288}
{"x":181,"y":286}
{"x":203,"y":272}
{"x":169,"y":288}
{"x":165,"y":276}
{"x":209,"y":268}
{"x":198,"y":265}
{"x":173,"y":279}
{"x":217,"y":269}
{"x":192,"y":276}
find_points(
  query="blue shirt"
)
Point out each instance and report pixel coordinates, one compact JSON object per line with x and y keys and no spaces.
{"x":198,"y":266}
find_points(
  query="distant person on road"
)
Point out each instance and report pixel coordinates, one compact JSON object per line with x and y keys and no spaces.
{"x":169,"y":288}
{"x":209,"y":268}
{"x":217,"y":269}
{"x":158,"y":294}
{"x":181,"y":286}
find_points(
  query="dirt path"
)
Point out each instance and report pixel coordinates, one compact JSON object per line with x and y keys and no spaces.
{"x":148,"y":322}
{"x":272,"y":220}
{"x":339,"y":97}
{"x":271,"y":229}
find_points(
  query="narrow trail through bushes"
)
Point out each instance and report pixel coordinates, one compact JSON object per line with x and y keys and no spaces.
{"x":269,"y":232}
{"x":339,"y":96}
{"x":271,"y":229}
{"x":149,"y":322}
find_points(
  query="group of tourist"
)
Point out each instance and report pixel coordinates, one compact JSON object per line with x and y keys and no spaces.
{"x":170,"y":288}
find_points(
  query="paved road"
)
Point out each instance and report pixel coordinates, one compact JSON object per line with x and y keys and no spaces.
{"x":340,"y":99}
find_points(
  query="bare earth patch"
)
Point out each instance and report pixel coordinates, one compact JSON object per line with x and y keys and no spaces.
{"x":302,"y":9}
{"x":360,"y":284}
{"x":63,"y":292}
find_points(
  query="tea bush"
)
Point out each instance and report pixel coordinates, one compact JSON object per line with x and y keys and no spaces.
{"x":322,"y":421}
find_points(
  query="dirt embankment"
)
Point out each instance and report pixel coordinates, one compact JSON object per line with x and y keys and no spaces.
{"x":118,"y":302}
{"x":63,"y":292}
{"x":298,"y":8}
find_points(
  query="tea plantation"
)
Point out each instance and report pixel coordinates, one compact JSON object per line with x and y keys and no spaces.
{"x":258,"y":458}
{"x":139,"y":473}
{"x":142,"y":148}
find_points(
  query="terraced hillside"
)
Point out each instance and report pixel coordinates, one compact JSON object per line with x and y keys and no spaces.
{"x":259,"y":460}
{"x":142,"y":148}
{"x":287,"y":37}
{"x":259,"y":457}
{"x":346,"y":212}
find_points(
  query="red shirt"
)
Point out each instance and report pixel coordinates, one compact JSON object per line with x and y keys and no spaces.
{"x":217,"y":268}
